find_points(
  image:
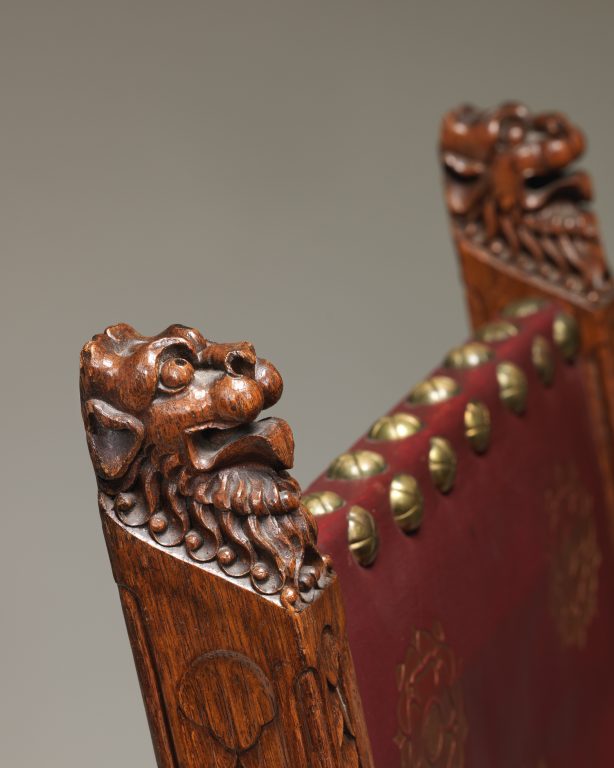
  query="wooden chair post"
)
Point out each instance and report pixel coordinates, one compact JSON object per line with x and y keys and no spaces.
{"x":523,"y":227}
{"x":235,"y":618}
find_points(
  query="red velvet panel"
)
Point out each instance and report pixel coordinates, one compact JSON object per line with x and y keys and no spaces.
{"x":508,"y":658}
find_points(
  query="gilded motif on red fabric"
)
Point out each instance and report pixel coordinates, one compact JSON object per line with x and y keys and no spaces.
{"x":575,"y":557}
{"x":432,"y":728}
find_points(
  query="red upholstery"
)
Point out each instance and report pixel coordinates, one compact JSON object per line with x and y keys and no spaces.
{"x":501,"y":605}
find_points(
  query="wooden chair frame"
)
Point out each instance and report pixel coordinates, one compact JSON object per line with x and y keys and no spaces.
{"x":238,"y":627}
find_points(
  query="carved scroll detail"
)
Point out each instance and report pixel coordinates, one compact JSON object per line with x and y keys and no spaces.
{"x":510,"y":192}
{"x":331,"y":670}
{"x":172,"y":432}
{"x":326,"y":718}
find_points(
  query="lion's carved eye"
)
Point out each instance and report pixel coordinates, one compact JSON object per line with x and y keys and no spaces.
{"x":176,"y":373}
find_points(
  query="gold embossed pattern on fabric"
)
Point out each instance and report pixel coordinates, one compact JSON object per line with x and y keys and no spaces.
{"x":575,"y":557}
{"x":432,"y":728}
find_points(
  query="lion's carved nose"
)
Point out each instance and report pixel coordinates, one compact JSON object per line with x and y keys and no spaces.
{"x":241,"y":361}
{"x":237,"y":359}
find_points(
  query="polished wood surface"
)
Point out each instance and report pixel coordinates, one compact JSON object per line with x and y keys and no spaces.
{"x":235,"y":618}
{"x":522,"y":223}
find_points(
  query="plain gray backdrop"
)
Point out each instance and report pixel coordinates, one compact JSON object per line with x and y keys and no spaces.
{"x":261,"y":170}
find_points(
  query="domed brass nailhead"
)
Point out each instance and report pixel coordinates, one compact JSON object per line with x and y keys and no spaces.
{"x":566,"y":335}
{"x":355,"y":465}
{"x":442,"y":464}
{"x":524,"y":307}
{"x":363,"y":538}
{"x":469,"y":355}
{"x":397,"y":426}
{"x":433,"y":390}
{"x":513,"y":387}
{"x":543,"y":359}
{"x":477,"y":425}
{"x":406,"y":502}
{"x":323,"y":502}
{"x":498,"y":330}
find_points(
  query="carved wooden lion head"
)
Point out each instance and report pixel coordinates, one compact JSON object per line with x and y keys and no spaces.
{"x":510,"y":189}
{"x":178,"y":394}
{"x":173,"y":432}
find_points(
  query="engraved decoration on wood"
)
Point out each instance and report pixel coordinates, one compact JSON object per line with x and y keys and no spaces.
{"x":432,"y":728}
{"x":575,"y":557}
{"x":331,"y":670}
{"x":510,"y":191}
{"x":228,"y":695}
{"x":172,"y":429}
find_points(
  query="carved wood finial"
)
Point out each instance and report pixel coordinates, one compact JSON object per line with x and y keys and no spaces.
{"x":512,"y":195}
{"x":177,"y":450}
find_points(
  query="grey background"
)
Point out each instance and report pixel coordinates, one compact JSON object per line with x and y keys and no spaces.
{"x":262,"y":170}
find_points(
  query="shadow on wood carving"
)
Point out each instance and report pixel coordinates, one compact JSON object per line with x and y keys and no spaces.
{"x":235,"y":618}
{"x":170,"y":423}
{"x":229,"y":695}
{"x":510,"y":191}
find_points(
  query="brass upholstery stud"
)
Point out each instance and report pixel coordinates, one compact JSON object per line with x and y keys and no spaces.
{"x":477,"y":425}
{"x":469,"y":355}
{"x":406,"y":502}
{"x":566,"y":335}
{"x":355,"y":465}
{"x":363,"y":538}
{"x":513,"y":387}
{"x":322,"y":502}
{"x":442,"y":463}
{"x":543,"y":359}
{"x":524,"y":307}
{"x":433,"y":390}
{"x":498,"y":330}
{"x":397,"y":426}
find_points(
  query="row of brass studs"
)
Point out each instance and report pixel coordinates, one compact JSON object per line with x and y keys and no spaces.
{"x":355,"y":465}
{"x":477,"y":425}
{"x":406,"y":500}
{"x":398,"y":426}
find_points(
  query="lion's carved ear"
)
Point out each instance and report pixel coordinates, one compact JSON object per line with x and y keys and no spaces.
{"x":113,"y":437}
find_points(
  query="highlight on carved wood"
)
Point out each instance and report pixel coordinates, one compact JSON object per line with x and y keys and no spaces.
{"x":332,"y":672}
{"x":512,"y":191}
{"x":177,"y":450}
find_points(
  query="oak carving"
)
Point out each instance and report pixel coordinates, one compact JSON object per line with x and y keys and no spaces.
{"x":216,"y":557}
{"x":172,"y":432}
{"x":511,"y":190}
{"x":230,"y":696}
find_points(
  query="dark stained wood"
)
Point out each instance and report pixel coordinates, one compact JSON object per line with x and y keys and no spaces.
{"x":523,"y":226}
{"x":235,"y":618}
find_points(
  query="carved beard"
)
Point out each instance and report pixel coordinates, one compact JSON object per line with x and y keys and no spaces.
{"x":549,"y":230}
{"x":248,"y":519}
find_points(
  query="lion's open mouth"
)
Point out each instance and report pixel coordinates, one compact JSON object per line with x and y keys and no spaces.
{"x":268,"y":441}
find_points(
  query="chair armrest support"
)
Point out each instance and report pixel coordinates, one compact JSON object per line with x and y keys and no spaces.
{"x":235,"y":618}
